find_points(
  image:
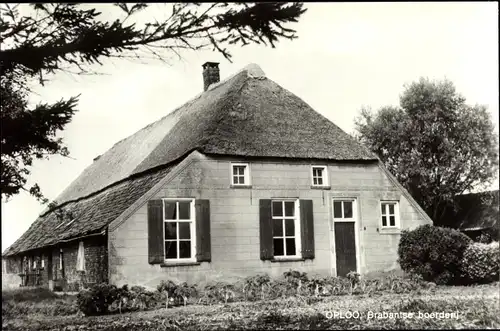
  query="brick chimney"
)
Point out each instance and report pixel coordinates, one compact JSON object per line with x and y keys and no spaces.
{"x":210,"y":74}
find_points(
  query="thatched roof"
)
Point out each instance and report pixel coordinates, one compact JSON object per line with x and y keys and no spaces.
{"x":85,"y":216}
{"x":245,"y":115}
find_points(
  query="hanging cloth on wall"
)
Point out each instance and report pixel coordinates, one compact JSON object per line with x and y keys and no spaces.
{"x":80,"y":259}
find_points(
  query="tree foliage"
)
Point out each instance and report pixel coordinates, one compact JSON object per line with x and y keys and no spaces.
{"x":436,"y":145}
{"x":71,"y":37}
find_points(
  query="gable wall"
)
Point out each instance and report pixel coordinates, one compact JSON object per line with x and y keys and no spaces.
{"x":235,"y":221}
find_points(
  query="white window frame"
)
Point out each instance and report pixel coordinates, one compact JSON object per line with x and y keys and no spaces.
{"x":192,"y":229}
{"x":246,"y":174}
{"x":34,"y":263}
{"x":344,"y":219}
{"x":42,"y":262}
{"x":297,"y":234}
{"x":397,"y":223}
{"x":324,"y":175}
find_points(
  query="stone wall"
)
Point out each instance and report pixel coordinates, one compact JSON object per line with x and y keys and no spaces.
{"x":67,"y":277}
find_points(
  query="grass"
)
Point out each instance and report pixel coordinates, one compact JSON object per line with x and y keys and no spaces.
{"x":20,"y":303}
{"x":33,"y":294}
{"x":477,"y":307}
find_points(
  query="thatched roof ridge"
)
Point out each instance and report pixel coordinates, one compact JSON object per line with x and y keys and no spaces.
{"x":246,"y":114}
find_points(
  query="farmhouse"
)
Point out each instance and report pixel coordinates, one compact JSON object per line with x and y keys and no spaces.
{"x":245,"y":178}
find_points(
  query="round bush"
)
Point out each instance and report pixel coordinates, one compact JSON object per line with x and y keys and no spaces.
{"x":97,"y":300}
{"x":481,"y":262}
{"x":434,"y":253}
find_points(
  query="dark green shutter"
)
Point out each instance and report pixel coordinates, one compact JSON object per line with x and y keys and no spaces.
{"x":203,"y":243}
{"x":155,"y":231}
{"x":266,"y":230}
{"x":307,"y":228}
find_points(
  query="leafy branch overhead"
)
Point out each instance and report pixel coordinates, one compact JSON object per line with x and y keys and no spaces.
{"x":65,"y":33}
{"x":52,"y":37}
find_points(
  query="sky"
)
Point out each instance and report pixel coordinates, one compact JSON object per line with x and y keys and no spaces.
{"x":347,"y":56}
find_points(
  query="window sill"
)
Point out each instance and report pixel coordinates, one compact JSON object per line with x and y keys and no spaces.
{"x":317,"y":187}
{"x":178,"y":264}
{"x":296,"y":259}
{"x":390,"y":231}
{"x":240,"y":186}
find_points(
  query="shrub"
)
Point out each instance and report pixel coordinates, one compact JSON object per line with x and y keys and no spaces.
{"x":484,"y":238}
{"x":257,"y":287}
{"x":316,"y":286}
{"x":353,"y":277}
{"x":142,"y":299}
{"x":294,"y":276}
{"x":176,"y":294}
{"x":184,"y":292}
{"x":167,"y":288}
{"x":97,"y":300}
{"x":434,"y":253}
{"x":219,"y":292}
{"x":295,"y":282}
{"x":481,"y":262}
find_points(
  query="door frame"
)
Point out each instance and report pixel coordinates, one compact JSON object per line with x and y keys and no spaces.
{"x":356,"y":221}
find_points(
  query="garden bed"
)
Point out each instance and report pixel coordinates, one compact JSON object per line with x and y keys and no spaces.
{"x":478,"y":307}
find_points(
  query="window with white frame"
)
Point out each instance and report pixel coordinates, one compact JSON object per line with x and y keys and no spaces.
{"x":42,"y":262}
{"x":390,"y":214}
{"x":179,"y":229}
{"x":319,"y":176}
{"x":343,"y":209}
{"x":240,"y":174}
{"x":286,"y":228}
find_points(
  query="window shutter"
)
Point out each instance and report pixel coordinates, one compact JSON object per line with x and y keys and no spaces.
{"x":266,"y":230}
{"x":203,"y":243}
{"x":155,"y":231}
{"x":307,"y":228}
